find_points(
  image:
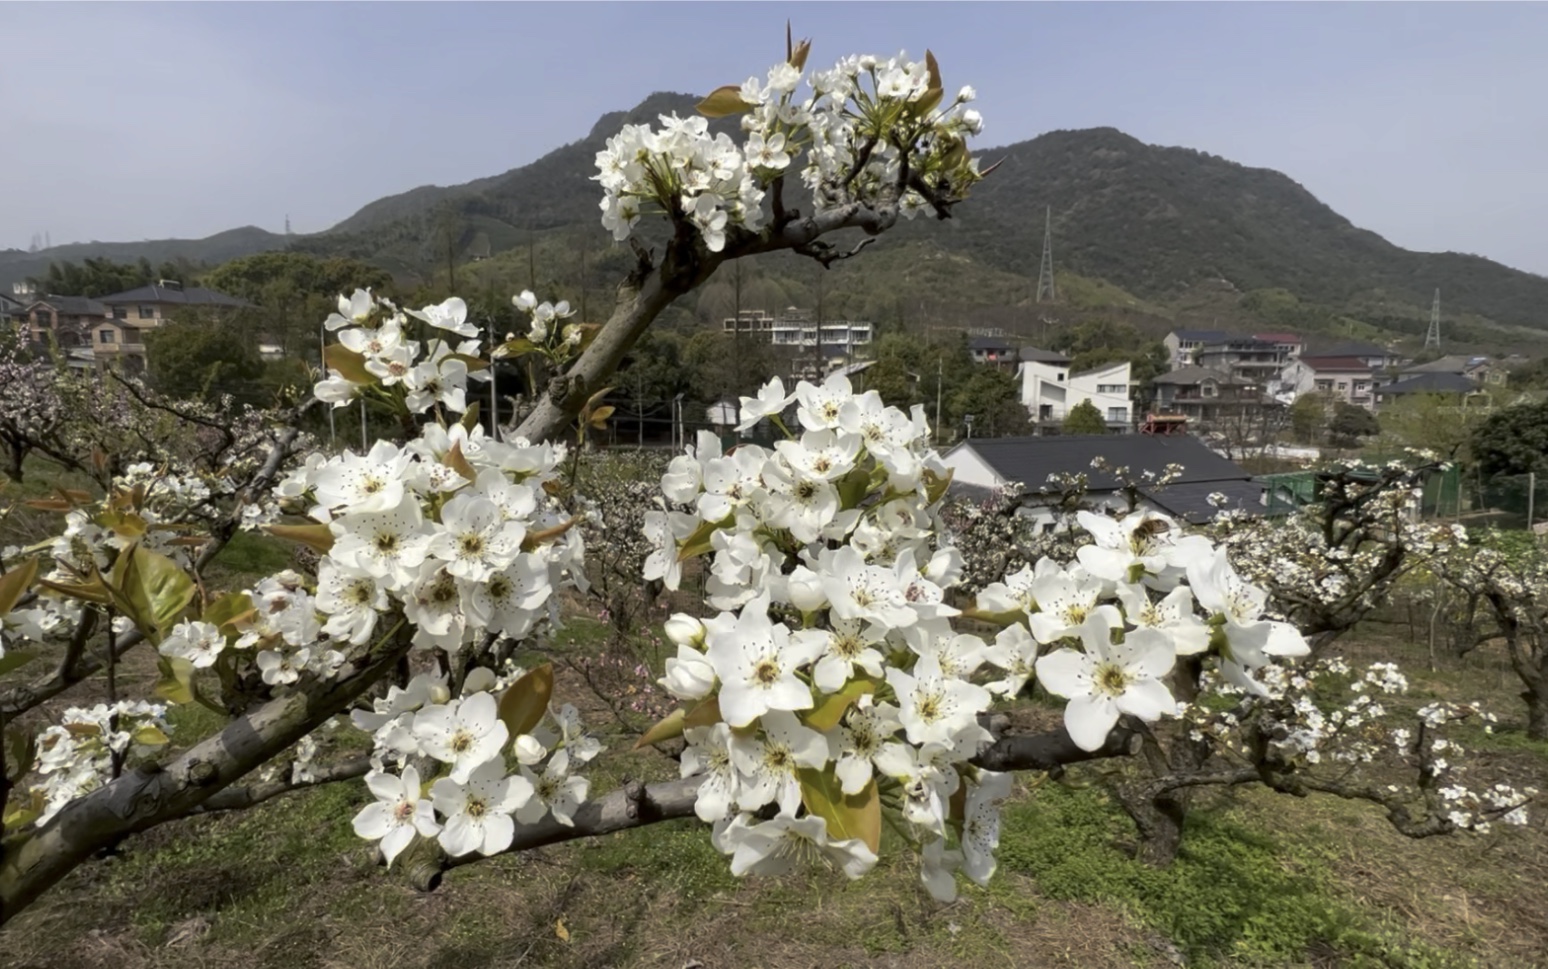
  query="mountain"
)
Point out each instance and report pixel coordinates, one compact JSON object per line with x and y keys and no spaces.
{"x":1163,"y":224}
{"x":17,"y":264}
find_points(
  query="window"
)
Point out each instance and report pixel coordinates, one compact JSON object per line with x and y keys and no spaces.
{"x":1117,"y":415}
{"x":1112,"y":388}
{"x":1343,"y":385}
{"x":120,"y":312}
{"x":147,"y":312}
{"x":1061,"y":375}
{"x":1207,"y":388}
{"x":105,"y":336}
{"x":1048,"y":528}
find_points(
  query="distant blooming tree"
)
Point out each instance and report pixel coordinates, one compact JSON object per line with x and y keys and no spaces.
{"x":831,"y":686}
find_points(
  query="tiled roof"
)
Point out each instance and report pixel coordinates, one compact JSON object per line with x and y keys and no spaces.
{"x":1036,"y":355}
{"x":187,"y":295}
{"x":1336,"y":364}
{"x":1190,"y":376}
{"x":1431,"y":383}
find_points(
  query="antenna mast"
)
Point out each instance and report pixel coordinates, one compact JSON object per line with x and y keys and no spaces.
{"x":1045,"y":275}
{"x":1432,"y":338}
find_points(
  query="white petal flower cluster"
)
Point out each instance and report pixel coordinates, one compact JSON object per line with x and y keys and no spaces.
{"x":485,"y":782}
{"x":377,"y":351}
{"x":866,"y":115}
{"x":833,"y":663}
{"x":77,"y":755}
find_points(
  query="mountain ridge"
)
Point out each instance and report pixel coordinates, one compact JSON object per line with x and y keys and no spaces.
{"x":1152,"y":220}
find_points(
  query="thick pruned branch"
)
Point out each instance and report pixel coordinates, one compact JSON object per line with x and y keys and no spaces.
{"x":153,"y":794}
{"x":240,"y":798}
{"x":636,"y":805}
{"x":827,"y":253}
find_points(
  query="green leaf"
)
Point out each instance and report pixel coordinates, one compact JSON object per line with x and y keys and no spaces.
{"x":149,"y":735}
{"x":936,"y":485}
{"x":176,"y":685}
{"x":848,"y":816}
{"x":349,"y":364}
{"x":15,"y":583}
{"x":157,"y":589}
{"x":92,"y":591}
{"x":319,"y":536}
{"x":723,"y":102}
{"x":15,"y":659}
{"x":699,"y":542}
{"x":230,"y":608}
{"x":524,"y":702}
{"x":458,"y":463}
{"x":475,"y":364}
{"x":827,"y":714}
{"x":470,"y":417}
{"x":934,"y":91}
{"x":20,"y":749}
{"x":517,"y":347}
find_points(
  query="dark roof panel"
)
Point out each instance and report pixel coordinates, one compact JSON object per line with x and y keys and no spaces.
{"x":187,"y":295}
{"x":1431,"y":383}
{"x":1037,"y":355}
{"x":1030,"y":460}
{"x":1190,"y":500}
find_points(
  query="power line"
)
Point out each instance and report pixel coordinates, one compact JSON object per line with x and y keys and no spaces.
{"x":1432,"y":338}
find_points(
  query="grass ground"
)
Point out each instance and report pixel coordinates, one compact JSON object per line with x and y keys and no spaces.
{"x":1264,"y":880}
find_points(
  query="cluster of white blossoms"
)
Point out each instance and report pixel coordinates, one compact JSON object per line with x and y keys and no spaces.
{"x":77,"y":755}
{"x":474,"y":741}
{"x":376,"y":351}
{"x":834,"y":674}
{"x":858,"y":126}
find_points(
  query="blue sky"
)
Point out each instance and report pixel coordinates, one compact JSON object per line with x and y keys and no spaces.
{"x":1427,"y":123}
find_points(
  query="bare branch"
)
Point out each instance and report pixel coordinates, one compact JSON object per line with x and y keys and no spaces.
{"x":828,"y":254}
{"x":239,"y":798}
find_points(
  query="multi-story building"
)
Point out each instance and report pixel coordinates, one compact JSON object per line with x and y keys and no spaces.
{"x":63,"y":321}
{"x":1288,"y":343}
{"x":1049,"y":390}
{"x":994,"y":350}
{"x":1206,"y":396}
{"x":1374,"y":357}
{"x":1346,"y":379}
{"x":795,"y":328}
{"x":119,"y":337}
{"x":1479,"y":369}
{"x":1181,"y":344}
{"x":1246,"y":358}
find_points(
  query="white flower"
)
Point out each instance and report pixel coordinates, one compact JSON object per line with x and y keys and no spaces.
{"x":1108,"y":679}
{"x":554,"y":791}
{"x":784,"y":842}
{"x":689,"y":675}
{"x":936,"y":864}
{"x":756,"y":661}
{"x":858,"y":740}
{"x":351,"y":599}
{"x":451,"y":315}
{"x":866,"y":592}
{"x":684,"y":630}
{"x":397,"y":813}
{"x":198,"y":642}
{"x":475,"y":539}
{"x":464,"y":733}
{"x":478,"y":809}
{"x":981,"y":824}
{"x":770,"y":402}
{"x":709,"y":753}
{"x":279,"y":669}
{"x":766,"y":761}
{"x":850,"y":644}
{"x":935,"y":708}
{"x":1015,"y":652}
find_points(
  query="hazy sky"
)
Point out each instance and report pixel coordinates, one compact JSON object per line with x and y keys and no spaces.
{"x":1427,"y":123}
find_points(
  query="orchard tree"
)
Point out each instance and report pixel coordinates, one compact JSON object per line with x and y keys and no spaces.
{"x":1513,"y":441}
{"x":824,"y":687}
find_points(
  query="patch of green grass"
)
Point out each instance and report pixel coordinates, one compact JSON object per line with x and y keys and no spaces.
{"x":1233,"y":896}
{"x":249,"y":554}
{"x":676,"y":857}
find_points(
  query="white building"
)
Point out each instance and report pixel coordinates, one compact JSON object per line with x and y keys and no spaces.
{"x":795,"y":328}
{"x":1049,"y":390}
{"x":1346,"y":379}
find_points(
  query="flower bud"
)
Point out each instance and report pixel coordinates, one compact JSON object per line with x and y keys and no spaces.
{"x":804,"y":588}
{"x":528,"y":750}
{"x":478,"y":680}
{"x":684,"y":630}
{"x":439,"y":693}
{"x":689,"y":675}
{"x":966,"y":94}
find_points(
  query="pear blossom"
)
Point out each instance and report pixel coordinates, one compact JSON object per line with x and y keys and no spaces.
{"x":766,"y":762}
{"x":478,"y":808}
{"x":554,"y":791}
{"x":783,"y":843}
{"x":464,"y":733}
{"x":935,"y":708}
{"x":397,"y":813}
{"x":1108,"y":679}
{"x":770,"y":402}
{"x":200,"y":643}
{"x":756,"y":663}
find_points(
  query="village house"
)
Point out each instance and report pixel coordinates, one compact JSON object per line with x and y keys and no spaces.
{"x":1050,"y":391}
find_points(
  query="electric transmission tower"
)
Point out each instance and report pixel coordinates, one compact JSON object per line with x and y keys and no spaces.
{"x":1045,"y":275}
{"x":1432,"y":338}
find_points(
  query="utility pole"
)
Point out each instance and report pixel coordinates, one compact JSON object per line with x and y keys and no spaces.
{"x":1045,"y":273}
{"x":1432,"y":338}
{"x":940,"y":370}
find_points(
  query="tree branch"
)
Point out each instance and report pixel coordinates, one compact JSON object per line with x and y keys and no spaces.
{"x":240,"y":798}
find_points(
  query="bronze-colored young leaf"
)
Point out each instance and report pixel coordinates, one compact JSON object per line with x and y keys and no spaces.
{"x":724,"y":102}
{"x":668,"y":727}
{"x":228,"y":610}
{"x":600,"y":415}
{"x":458,"y":463}
{"x":798,"y":58}
{"x":470,"y":417}
{"x":349,"y":364}
{"x":542,"y":537}
{"x":176,"y":683}
{"x":15,"y":659}
{"x":20,"y":749}
{"x":706,"y":714}
{"x":474,"y":364}
{"x":15,"y":583}
{"x":848,"y":816}
{"x":318,"y":536}
{"x":523,"y":703}
{"x":91,"y":590}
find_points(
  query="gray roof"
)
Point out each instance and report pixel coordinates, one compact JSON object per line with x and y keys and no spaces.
{"x":1452,"y":364}
{"x":1206,"y":336}
{"x":1030,"y":460}
{"x":1238,"y":343}
{"x":1354,"y":350}
{"x":1037,"y":355}
{"x":188,"y":295}
{"x":989,"y":343}
{"x":73,"y":305}
{"x":1431,"y":383}
{"x":1189,"y":376}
